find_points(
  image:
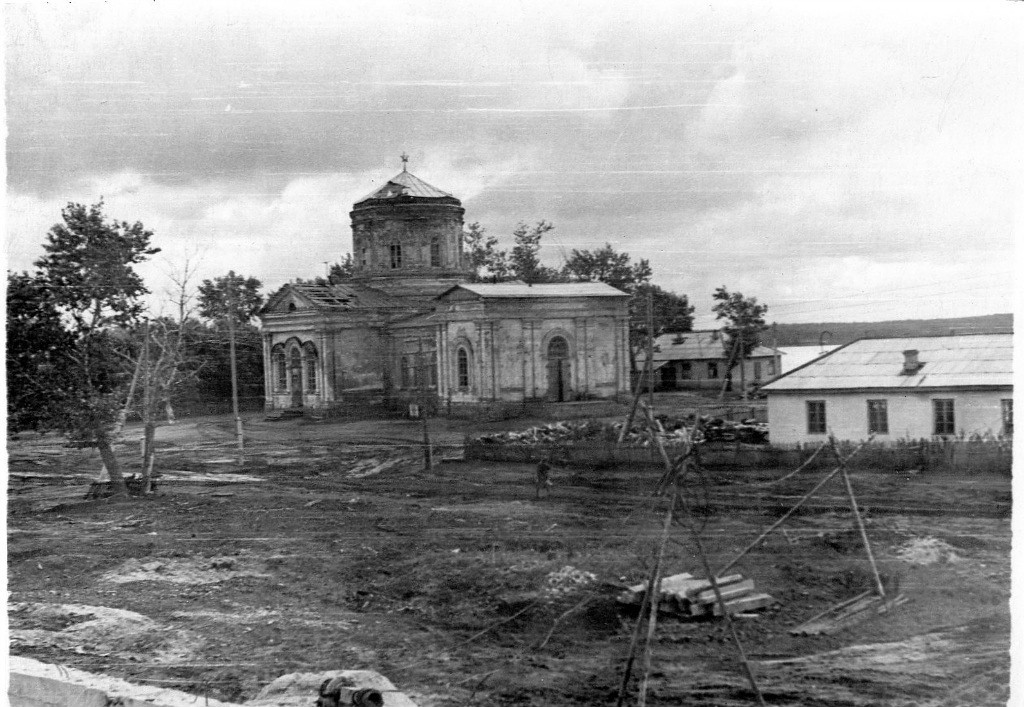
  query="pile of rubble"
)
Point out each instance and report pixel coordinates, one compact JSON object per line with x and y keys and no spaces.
{"x":676,"y":431}
{"x":686,"y":596}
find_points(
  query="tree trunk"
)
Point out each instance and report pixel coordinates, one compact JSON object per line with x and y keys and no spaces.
{"x":149,"y":456}
{"x":117,"y":485}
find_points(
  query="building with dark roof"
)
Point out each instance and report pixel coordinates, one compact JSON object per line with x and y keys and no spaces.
{"x":903,"y":388}
{"x":408,"y":327}
{"x":699,"y":360}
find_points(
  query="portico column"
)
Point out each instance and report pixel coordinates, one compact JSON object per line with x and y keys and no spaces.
{"x":268,"y":374}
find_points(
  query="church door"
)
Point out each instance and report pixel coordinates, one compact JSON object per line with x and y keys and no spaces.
{"x":559,"y":371}
{"x":295,"y":373}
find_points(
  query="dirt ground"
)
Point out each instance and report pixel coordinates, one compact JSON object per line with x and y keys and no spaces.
{"x":332,"y":548}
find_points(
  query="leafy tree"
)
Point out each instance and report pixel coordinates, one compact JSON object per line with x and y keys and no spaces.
{"x":490,"y":264}
{"x":524,"y":259}
{"x":340,"y":272}
{"x":89,"y":277}
{"x":232,"y":297}
{"x":607,"y":265}
{"x":235,"y":300}
{"x":486,"y":262}
{"x":672,"y":312}
{"x":39,"y":382}
{"x":744,"y":322}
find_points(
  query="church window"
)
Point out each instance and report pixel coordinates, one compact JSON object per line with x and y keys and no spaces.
{"x":311,"y":365}
{"x":462,"y":366}
{"x":432,"y":370}
{"x":396,"y":256}
{"x":365,"y":258}
{"x":435,"y":253}
{"x":280,"y":368}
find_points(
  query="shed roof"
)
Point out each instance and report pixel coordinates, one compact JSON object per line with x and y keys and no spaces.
{"x":519,"y":290}
{"x":406,"y":184}
{"x":705,"y":344}
{"x":966,"y":360}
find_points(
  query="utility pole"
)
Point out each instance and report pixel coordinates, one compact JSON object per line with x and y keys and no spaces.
{"x":232,"y":311}
{"x":423,"y":375}
{"x":650,"y":351}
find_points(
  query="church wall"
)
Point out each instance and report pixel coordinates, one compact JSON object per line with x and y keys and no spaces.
{"x":509,"y":341}
{"x":358,"y":361}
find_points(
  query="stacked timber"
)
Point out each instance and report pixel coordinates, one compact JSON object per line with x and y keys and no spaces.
{"x":691,"y":597}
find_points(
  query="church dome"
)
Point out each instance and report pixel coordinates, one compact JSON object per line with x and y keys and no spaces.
{"x":405,"y":185}
{"x":407,"y":228}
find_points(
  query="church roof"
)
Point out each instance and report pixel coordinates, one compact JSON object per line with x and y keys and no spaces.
{"x":333,"y":297}
{"x":520,"y":290}
{"x":406,"y":184}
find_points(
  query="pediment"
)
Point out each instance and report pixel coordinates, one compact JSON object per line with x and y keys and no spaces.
{"x":288,"y":301}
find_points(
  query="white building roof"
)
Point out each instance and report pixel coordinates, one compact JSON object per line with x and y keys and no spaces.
{"x":971,"y":360}
{"x":796,"y":356}
{"x":518,"y":290}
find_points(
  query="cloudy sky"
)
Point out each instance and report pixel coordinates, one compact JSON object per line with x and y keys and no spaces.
{"x":840,"y":161}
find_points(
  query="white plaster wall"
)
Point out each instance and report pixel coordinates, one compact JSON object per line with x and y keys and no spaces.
{"x":910,"y":414}
{"x":510,"y":356}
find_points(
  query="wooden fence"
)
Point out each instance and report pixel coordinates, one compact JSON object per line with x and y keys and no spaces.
{"x":962,"y":456}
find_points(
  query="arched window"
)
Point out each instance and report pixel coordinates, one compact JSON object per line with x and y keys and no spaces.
{"x":435,"y":253}
{"x":462,"y":368}
{"x":312,"y":361}
{"x":558,"y":348}
{"x":280,"y":367}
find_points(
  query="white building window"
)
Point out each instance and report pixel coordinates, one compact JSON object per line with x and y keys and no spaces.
{"x":816,"y":422}
{"x":878,"y":417}
{"x":945,"y":419}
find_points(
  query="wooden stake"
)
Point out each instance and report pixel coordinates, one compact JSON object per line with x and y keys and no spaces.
{"x":725,"y":613}
{"x":655,"y":590}
{"x":856,"y":515}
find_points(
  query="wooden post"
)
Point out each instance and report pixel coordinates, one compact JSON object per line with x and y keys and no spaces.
{"x":650,"y":350}
{"x":725,"y":614}
{"x":234,"y":370}
{"x":857,"y":516}
{"x":655,"y":589}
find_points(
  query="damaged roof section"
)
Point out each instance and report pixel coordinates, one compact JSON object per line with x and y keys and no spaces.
{"x":299,"y":296}
{"x":966,"y":360}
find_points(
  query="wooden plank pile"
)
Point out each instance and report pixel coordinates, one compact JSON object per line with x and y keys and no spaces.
{"x":690,"y":597}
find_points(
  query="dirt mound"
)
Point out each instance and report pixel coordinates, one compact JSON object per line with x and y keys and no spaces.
{"x":200,"y":570}
{"x":927,"y":551}
{"x":96,"y":630}
{"x":565,"y":581}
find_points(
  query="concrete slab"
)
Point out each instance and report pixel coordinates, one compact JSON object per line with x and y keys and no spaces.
{"x":36,"y":684}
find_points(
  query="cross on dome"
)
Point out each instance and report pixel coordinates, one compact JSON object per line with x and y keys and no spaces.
{"x":405,"y":161}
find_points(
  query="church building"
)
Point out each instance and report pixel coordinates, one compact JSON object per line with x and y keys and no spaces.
{"x":410,"y":327}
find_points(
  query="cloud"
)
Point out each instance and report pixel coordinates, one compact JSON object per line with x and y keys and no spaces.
{"x":773,"y":148}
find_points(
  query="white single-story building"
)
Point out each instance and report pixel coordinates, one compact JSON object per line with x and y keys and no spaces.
{"x":905,"y":388}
